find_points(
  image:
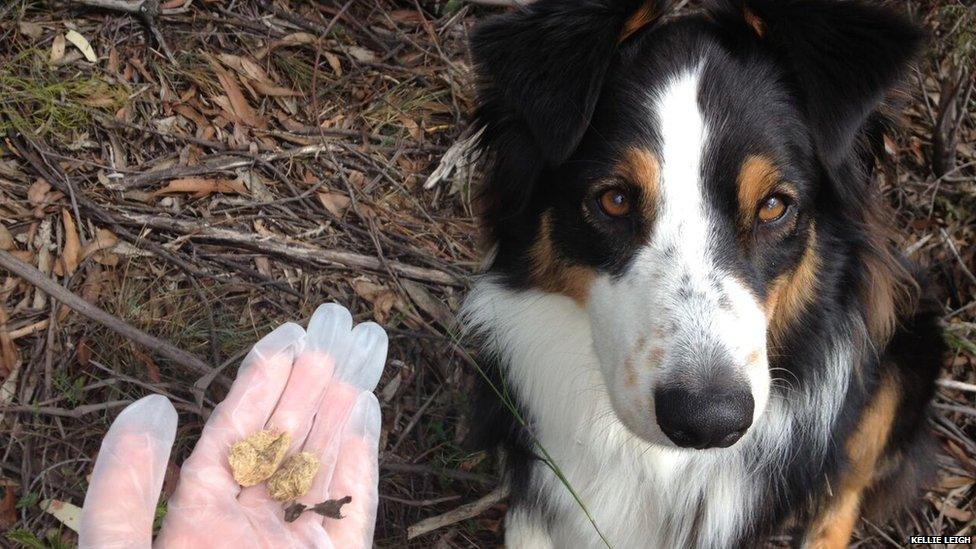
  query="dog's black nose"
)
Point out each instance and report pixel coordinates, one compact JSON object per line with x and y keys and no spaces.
{"x":704,"y":419}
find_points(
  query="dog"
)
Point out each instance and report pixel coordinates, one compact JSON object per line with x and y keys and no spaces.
{"x":696,"y":328}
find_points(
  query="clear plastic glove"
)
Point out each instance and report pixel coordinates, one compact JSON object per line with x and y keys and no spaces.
{"x":315,"y":384}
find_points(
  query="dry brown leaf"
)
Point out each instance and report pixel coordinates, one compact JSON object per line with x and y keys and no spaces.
{"x":104,"y":239}
{"x":957,"y":481}
{"x":191,"y":114}
{"x":412,"y":128}
{"x":68,"y":513}
{"x":361,"y":54}
{"x":263,"y":265}
{"x":8,"y":503}
{"x":200,"y":187}
{"x":254,"y":183}
{"x":71,"y":254}
{"x":241,"y":108}
{"x":256,"y":77}
{"x":337,"y":203}
{"x":57,"y":48}
{"x":37,"y":191}
{"x":82,"y":44}
{"x":406,"y":16}
{"x":429,"y":304}
{"x":357,"y":178}
{"x":113,"y":61}
{"x":6,"y":239}
{"x":152,"y":369}
{"x":30,"y":30}
{"x":232,"y":61}
{"x":333,"y":60}
{"x":295,"y":39}
{"x":273,"y":91}
{"x":106,"y":258}
{"x":26,"y":256}
{"x":382,"y":298}
{"x":255,"y":72}
{"x":8,"y":351}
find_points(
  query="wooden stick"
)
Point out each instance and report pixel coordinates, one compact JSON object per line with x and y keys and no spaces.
{"x":306,"y":253}
{"x":86,"y":309}
{"x":76,"y":412}
{"x":464,"y":512}
{"x":28,"y":330}
{"x":957,"y":385}
{"x":421,"y":469}
{"x":222,"y":162}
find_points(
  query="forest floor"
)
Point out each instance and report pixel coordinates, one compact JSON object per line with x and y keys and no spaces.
{"x":233,"y":164}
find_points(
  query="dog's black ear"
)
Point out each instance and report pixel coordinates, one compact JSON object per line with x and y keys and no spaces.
{"x":843,"y":56}
{"x":539,"y":74}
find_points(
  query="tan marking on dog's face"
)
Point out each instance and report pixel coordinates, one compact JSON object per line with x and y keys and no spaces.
{"x":793,"y":291}
{"x":864,"y":449}
{"x":645,"y":15}
{"x":754,"y":21}
{"x":554,"y":274}
{"x":757,"y":179}
{"x":641,"y":168}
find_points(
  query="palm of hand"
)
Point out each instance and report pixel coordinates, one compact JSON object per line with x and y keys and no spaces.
{"x":317,"y":386}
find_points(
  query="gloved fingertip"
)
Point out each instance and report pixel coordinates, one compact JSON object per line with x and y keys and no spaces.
{"x":153,"y":414}
{"x":367,"y":356}
{"x":365,"y":419}
{"x":330,"y":323}
{"x":289,"y":338}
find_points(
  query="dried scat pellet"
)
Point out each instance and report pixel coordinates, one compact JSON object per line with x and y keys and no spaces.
{"x":258,"y":456}
{"x":294,"y":478}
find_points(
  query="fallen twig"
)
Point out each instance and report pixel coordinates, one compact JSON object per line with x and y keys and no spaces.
{"x":75,"y":412}
{"x":421,"y":469}
{"x":86,"y":309}
{"x":222,"y":162}
{"x":957,"y":385}
{"x":84,"y":409}
{"x":464,"y":512}
{"x":302,"y":252}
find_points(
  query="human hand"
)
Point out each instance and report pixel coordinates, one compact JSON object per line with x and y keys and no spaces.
{"x":315,"y":384}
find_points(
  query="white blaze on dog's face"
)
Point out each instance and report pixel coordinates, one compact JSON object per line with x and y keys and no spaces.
{"x":681,"y":225}
{"x":674,"y":324}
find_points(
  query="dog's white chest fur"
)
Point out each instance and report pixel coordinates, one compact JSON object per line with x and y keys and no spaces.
{"x":638,"y":494}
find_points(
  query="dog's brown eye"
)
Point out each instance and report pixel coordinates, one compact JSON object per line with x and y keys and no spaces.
{"x":615,"y":203}
{"x":772,"y":208}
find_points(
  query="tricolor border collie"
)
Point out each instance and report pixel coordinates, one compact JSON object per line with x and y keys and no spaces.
{"x":692,"y":304}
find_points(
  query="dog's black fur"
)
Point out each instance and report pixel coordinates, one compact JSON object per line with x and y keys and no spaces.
{"x":800,"y":80}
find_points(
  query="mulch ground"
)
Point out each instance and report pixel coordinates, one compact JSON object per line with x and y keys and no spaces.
{"x":208,"y":173}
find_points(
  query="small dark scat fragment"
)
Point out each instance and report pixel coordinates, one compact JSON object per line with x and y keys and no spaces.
{"x":330,"y":508}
